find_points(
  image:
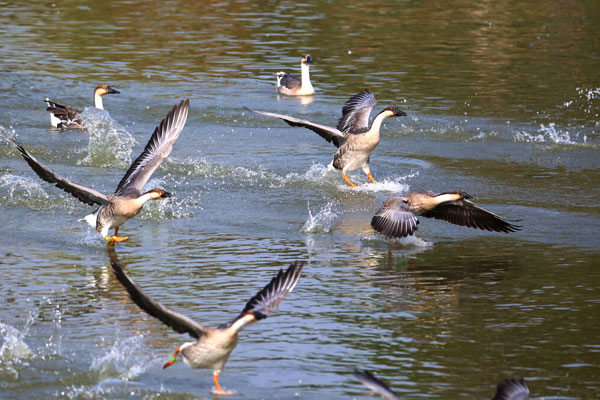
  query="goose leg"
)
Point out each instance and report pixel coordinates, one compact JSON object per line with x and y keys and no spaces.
{"x":348,"y":181}
{"x":218,"y":389}
{"x":115,"y":238}
{"x":367,"y":172}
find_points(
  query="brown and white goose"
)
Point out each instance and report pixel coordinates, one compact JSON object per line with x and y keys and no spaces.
{"x":291,"y":85}
{"x":353,"y":137}
{"x":128,"y":199}
{"x":65,"y":117}
{"x":397,"y":217}
{"x":213,"y":346}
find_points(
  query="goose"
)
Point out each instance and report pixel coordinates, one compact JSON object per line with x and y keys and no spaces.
{"x":291,"y":85}
{"x":127,"y":200}
{"x":65,"y":117}
{"x":397,"y":217}
{"x":213,"y":346}
{"x":353,"y":137}
{"x":508,"y":389}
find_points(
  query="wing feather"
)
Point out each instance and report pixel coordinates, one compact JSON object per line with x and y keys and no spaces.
{"x":466,"y":213}
{"x":375,"y":385}
{"x":85,"y":194}
{"x":157,"y":149}
{"x":268,"y":299}
{"x":330,"y":134}
{"x":394,"y":219}
{"x":178,"y":322}
{"x":356,"y":111}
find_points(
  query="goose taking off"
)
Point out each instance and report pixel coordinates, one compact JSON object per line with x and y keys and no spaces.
{"x":353,"y":137}
{"x":127,"y":200}
{"x":65,"y":117}
{"x":397,"y":217}
{"x":213,"y":346}
{"x":291,"y":85}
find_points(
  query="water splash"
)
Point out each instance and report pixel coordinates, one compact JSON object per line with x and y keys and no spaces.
{"x":323,"y":221}
{"x":14,"y":350}
{"x":126,"y":359}
{"x":110,"y":144}
{"x":13,"y":344}
{"x":20,"y":191}
{"x":550,"y":134}
{"x":586,"y":100}
{"x":409,"y":241}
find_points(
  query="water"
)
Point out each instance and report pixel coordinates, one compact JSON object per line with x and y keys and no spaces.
{"x":501,"y":102}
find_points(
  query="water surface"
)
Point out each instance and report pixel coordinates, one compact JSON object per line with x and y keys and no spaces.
{"x":502,"y":102}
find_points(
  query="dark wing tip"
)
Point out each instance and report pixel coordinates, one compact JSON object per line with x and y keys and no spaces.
{"x":375,"y":384}
{"x":512,"y":389}
{"x":274,"y":292}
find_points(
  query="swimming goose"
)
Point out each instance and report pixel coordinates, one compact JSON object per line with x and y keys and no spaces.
{"x":291,"y":85}
{"x":397,"y":217}
{"x":65,"y":117}
{"x":508,"y":389}
{"x":213,"y":346}
{"x":355,"y":140}
{"x":127,"y":200}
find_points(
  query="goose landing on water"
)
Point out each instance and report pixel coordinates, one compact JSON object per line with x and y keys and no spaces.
{"x":127,"y":199}
{"x":397,"y":217}
{"x":291,"y":85}
{"x":65,"y":117}
{"x":213,"y":346}
{"x":353,"y":137}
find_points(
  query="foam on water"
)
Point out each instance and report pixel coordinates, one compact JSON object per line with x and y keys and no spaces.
{"x":110,"y":144}
{"x":126,"y":360}
{"x":323,"y":220}
{"x":409,"y":241}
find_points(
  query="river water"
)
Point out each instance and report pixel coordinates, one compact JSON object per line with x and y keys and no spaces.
{"x":502,"y":102}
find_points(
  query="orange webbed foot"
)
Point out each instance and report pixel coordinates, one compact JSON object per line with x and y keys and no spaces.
{"x":348,"y":181}
{"x":371,"y":178}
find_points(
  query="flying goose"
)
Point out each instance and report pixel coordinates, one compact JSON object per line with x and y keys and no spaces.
{"x":127,"y":200}
{"x":353,"y":137}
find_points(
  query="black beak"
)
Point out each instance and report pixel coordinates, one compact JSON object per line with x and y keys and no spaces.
{"x":166,"y":194}
{"x":309,"y":60}
{"x":112,"y":91}
{"x":399,"y":113}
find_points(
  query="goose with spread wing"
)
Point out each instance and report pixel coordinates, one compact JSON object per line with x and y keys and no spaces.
{"x":397,"y":217}
{"x":508,"y":389}
{"x":213,"y":346}
{"x":291,"y":85}
{"x":353,"y":137}
{"x":66,"y":117}
{"x":128,"y":199}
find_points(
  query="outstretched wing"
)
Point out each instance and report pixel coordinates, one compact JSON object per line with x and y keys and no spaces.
{"x":466,"y":213}
{"x":356,"y":111}
{"x":157,"y":149}
{"x":328,"y":133}
{"x":178,"y":322}
{"x":394,"y":219}
{"x":375,"y":384}
{"x":512,"y":389}
{"x":83,"y":193}
{"x":268,"y":299}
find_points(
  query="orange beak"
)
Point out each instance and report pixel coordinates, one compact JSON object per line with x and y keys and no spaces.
{"x":172,"y":360}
